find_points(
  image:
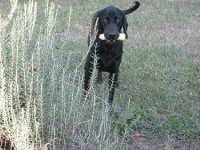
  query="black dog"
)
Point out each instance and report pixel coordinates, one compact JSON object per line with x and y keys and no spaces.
{"x":108,"y":21}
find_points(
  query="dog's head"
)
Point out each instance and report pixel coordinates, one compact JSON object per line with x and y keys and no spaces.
{"x":110,"y":21}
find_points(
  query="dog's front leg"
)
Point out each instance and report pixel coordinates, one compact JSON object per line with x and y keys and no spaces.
{"x":112,"y":84}
{"x":88,"y":73}
{"x":87,"y":76}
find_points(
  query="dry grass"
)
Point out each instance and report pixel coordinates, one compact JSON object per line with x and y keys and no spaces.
{"x":156,"y":106}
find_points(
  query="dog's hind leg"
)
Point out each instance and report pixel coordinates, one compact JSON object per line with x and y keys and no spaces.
{"x":99,"y":77}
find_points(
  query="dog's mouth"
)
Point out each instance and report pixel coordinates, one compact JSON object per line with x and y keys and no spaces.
{"x":110,"y":41}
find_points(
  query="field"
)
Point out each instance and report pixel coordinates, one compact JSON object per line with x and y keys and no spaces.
{"x":43,"y":45}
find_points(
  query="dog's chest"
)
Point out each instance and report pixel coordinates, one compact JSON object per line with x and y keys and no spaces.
{"x":109,"y":56}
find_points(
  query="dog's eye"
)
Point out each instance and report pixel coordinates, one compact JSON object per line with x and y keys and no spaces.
{"x":105,"y":20}
{"x":117,"y":21}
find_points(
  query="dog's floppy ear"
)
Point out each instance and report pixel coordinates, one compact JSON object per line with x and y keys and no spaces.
{"x":125,"y":26}
{"x":95,"y":27}
{"x":96,"y":23}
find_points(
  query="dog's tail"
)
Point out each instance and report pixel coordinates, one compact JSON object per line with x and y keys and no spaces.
{"x":130,"y":10}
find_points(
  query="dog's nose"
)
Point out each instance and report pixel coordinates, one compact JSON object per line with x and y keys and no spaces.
{"x":112,"y":36}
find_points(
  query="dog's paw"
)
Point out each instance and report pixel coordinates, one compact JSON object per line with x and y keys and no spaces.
{"x":99,"y":81}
